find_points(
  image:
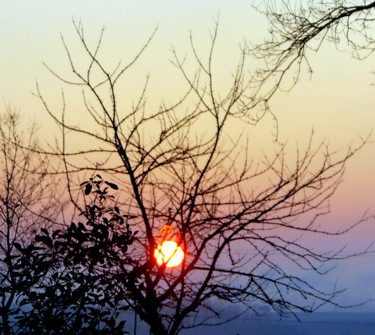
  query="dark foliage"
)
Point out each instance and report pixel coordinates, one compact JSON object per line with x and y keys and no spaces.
{"x":67,"y":278}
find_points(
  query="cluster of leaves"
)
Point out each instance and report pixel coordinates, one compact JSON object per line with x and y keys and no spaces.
{"x":67,"y":278}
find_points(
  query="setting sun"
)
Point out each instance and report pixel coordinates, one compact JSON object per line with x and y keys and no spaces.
{"x":170,"y":253}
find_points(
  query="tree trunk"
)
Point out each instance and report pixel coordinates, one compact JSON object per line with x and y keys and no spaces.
{"x":5,"y":321}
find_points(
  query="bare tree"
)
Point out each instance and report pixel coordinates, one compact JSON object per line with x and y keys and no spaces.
{"x":299,"y":27}
{"x":27,"y":203}
{"x":202,"y":189}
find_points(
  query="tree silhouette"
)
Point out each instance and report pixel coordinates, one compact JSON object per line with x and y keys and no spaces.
{"x":71,"y":273}
{"x":204,"y":184}
{"x":297,"y":28}
{"x":26,"y":204}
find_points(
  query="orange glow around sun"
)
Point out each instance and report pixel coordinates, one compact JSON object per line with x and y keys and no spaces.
{"x":170,"y":253}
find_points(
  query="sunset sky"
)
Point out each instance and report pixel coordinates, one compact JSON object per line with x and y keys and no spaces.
{"x":338,"y":101}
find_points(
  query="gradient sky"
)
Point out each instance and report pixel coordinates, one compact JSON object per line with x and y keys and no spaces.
{"x":338,"y":101}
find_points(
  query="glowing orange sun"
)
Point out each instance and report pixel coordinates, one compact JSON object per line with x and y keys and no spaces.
{"x":169,"y":253}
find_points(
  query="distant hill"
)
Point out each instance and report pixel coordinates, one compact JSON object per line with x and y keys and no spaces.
{"x":319,"y":323}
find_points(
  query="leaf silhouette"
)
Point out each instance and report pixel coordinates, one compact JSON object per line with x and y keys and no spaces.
{"x":88,"y":189}
{"x":111,"y":185}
